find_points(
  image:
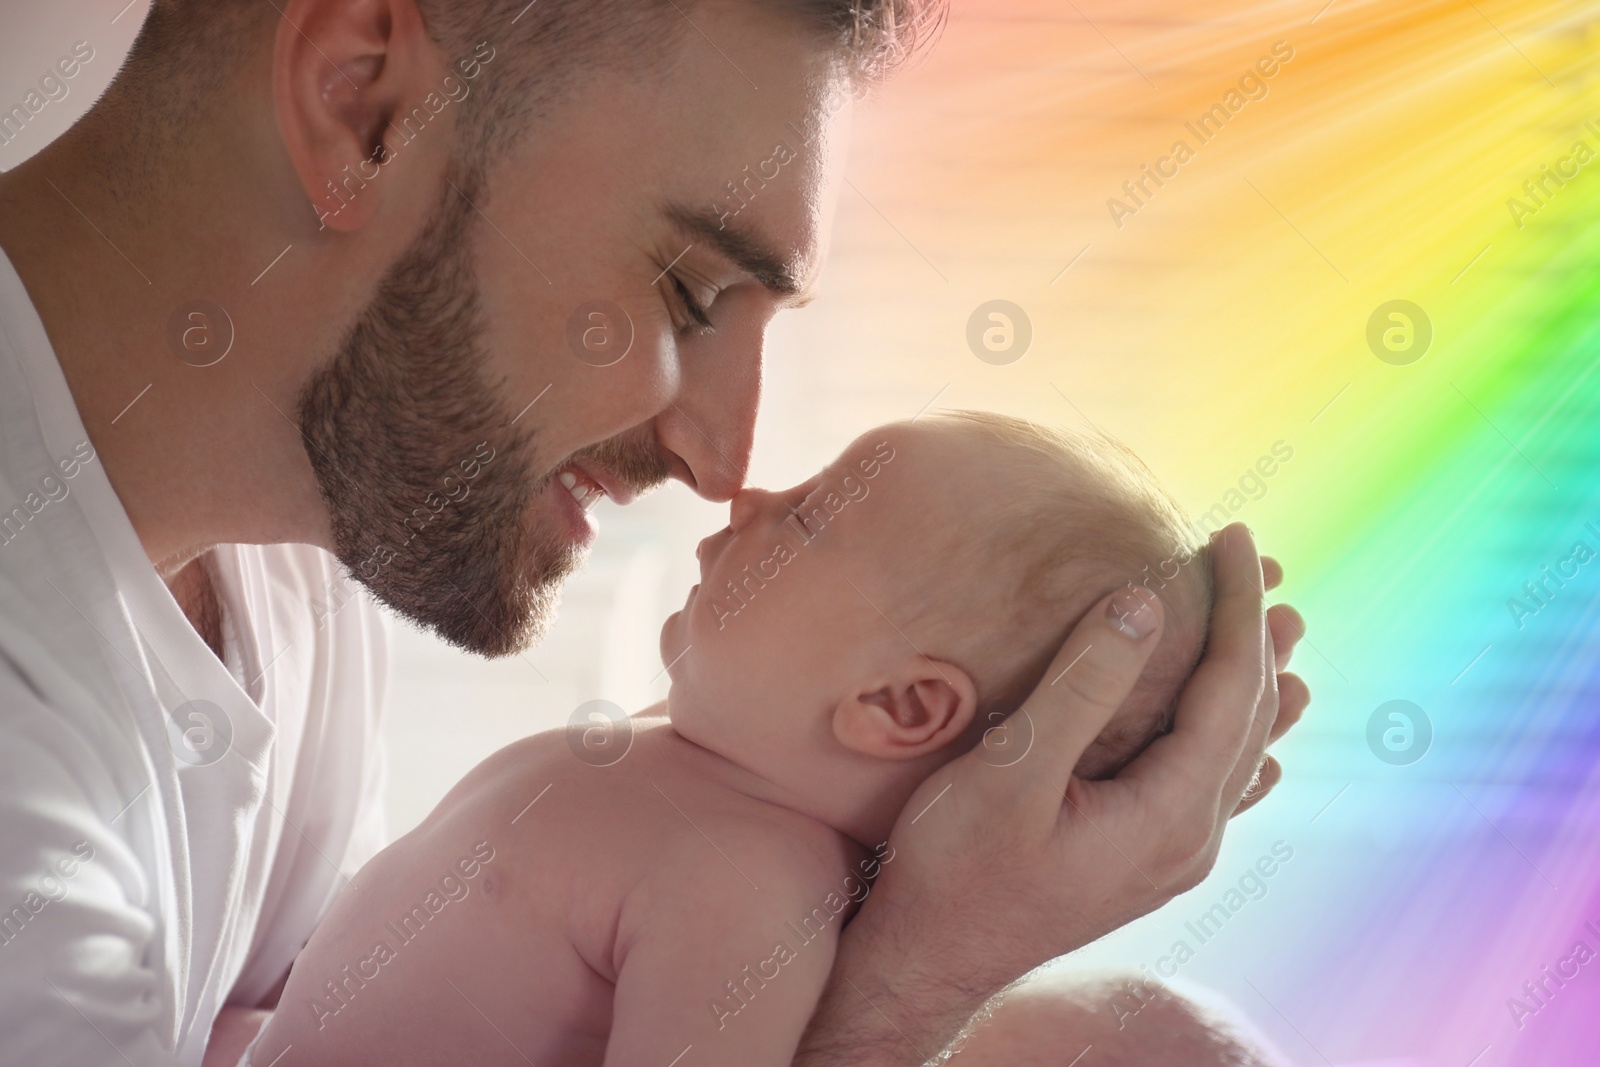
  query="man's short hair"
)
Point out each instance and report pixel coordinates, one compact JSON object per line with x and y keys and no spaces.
{"x":188,"y":48}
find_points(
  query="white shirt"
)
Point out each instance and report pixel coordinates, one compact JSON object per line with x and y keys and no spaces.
{"x":158,"y":857}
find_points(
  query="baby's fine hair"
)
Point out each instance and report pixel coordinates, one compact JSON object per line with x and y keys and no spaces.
{"x":1079,"y":515}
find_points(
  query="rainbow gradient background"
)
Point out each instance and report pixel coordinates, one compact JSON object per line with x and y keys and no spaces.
{"x":1226,"y":315}
{"x":1230,"y":313}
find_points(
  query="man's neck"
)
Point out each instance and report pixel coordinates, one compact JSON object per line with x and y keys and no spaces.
{"x":195,"y":590}
{"x":197,"y":455}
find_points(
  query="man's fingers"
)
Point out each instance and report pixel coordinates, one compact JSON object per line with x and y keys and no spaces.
{"x":1287,"y":629}
{"x":1255,"y":745}
{"x":1271,"y":572}
{"x":1085,"y":684}
{"x":1270,"y":774}
{"x":1218,"y":708}
{"x":1293,"y":697}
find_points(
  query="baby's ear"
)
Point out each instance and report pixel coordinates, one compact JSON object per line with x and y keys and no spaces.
{"x":917,"y":708}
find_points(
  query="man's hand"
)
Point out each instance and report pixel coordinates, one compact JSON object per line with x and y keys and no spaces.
{"x":1000,"y":864}
{"x":1286,"y":627}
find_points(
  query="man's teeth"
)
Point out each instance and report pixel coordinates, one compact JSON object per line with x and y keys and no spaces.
{"x":586,"y":493}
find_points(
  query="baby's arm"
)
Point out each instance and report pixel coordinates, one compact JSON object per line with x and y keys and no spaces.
{"x":712,"y":970}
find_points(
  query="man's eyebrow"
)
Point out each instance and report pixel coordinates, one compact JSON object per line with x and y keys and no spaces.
{"x":741,"y":247}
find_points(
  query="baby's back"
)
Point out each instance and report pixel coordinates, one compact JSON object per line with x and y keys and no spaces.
{"x":496,"y":931}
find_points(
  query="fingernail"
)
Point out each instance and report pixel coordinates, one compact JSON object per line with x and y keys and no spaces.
{"x":1133,"y":612}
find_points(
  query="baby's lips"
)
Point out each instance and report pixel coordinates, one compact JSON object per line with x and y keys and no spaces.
{"x":706,"y":553}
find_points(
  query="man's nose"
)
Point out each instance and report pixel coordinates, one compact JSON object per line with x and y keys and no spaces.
{"x":710,"y":424}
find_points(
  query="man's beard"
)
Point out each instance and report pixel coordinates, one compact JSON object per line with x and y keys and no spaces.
{"x":398,"y":422}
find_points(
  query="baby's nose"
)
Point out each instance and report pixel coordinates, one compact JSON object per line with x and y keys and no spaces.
{"x":746,"y":505}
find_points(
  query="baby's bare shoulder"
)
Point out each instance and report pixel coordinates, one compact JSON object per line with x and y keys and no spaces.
{"x":561,"y":779}
{"x":643,"y":782}
{"x":642,"y":811}
{"x":727,"y":844}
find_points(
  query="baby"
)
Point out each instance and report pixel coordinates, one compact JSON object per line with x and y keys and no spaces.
{"x":669,"y":890}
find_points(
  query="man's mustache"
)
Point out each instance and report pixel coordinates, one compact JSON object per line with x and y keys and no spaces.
{"x":637,"y":463}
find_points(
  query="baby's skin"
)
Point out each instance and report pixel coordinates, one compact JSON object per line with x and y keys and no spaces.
{"x":669,"y":891}
{"x":554,"y":912}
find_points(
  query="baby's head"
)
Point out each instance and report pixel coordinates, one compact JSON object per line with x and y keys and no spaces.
{"x":852,"y":633}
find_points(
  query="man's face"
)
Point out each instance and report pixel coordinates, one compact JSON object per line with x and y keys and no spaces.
{"x":585,"y":317}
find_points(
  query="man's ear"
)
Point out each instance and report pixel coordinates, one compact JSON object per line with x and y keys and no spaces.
{"x":919,"y":707}
{"x":339,"y":69}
